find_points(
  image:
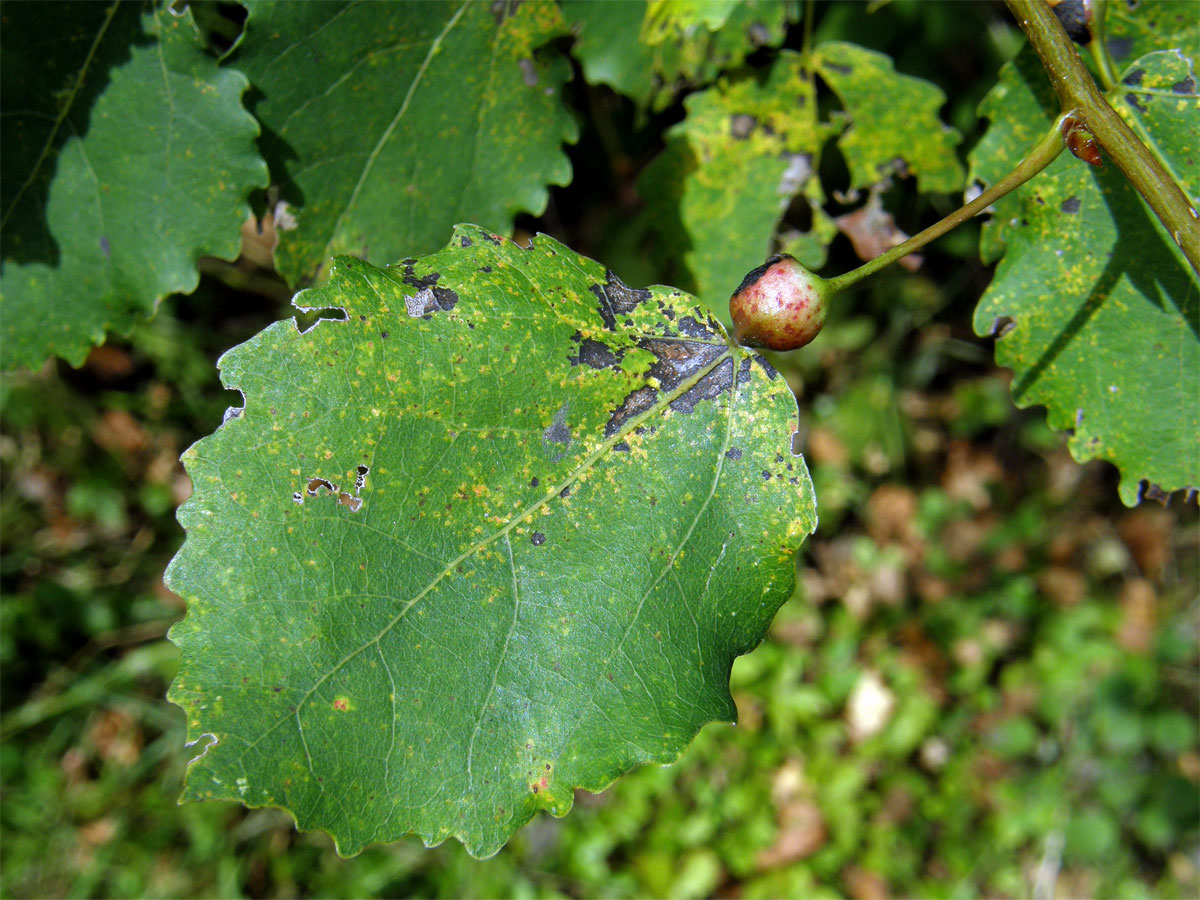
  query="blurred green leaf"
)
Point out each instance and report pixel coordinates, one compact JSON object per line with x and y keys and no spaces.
{"x":749,"y":147}
{"x":423,"y":496}
{"x":894,"y":126}
{"x":730,"y":170}
{"x":650,"y":51}
{"x":385,"y":124}
{"x":127,"y":156}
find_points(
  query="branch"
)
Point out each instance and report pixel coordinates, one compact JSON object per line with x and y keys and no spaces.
{"x":1077,"y":93}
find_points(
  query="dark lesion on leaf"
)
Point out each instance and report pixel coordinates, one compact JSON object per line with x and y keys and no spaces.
{"x":1134,"y":78}
{"x":1132,"y":100}
{"x":689,"y":326}
{"x":741,"y":126}
{"x":557,"y":432}
{"x":676,"y":361}
{"x":617,"y":298}
{"x":430,"y":297}
{"x":595,"y":354}
{"x":635,"y":403}
{"x":711,"y":386}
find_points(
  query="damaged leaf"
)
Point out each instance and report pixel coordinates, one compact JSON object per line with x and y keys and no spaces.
{"x":386,"y":123}
{"x":894,"y":126}
{"x":730,"y":170}
{"x":749,"y":149}
{"x":1100,"y":312}
{"x":651,"y":51}
{"x":127,"y":157}
{"x":571,"y":504}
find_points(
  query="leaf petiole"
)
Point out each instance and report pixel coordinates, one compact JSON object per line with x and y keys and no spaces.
{"x":1044,"y":152}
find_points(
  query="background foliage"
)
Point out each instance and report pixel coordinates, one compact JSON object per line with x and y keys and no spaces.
{"x":986,"y":681}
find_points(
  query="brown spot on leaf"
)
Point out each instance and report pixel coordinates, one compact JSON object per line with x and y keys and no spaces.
{"x":741,"y":126}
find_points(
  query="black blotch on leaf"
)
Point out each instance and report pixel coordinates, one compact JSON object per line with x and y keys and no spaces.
{"x":594,"y":353}
{"x":466,"y":241}
{"x":635,"y":403}
{"x":1070,"y":205}
{"x":734,"y":453}
{"x":1132,"y":100}
{"x":1134,"y":78}
{"x":839,"y":68}
{"x":1187,"y":86}
{"x":690,"y":327}
{"x":537,"y":539}
{"x":617,"y":298}
{"x":621,"y":447}
{"x":710,"y":386}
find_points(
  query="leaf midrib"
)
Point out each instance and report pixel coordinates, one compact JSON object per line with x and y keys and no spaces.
{"x":604,"y":447}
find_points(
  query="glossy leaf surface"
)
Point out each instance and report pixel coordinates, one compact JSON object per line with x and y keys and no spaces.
{"x":496,"y":536}
{"x":386,"y":123}
{"x":127,"y":156}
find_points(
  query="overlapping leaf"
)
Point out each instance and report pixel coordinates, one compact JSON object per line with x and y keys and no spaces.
{"x":386,"y":123}
{"x":730,"y":170}
{"x":1098,"y":310}
{"x":649,"y":51}
{"x":496,"y":536}
{"x":749,"y":147}
{"x":127,"y":156}
{"x":894,"y":126}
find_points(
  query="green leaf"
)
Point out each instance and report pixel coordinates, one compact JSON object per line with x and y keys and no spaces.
{"x":497,"y":536}
{"x":651,"y":51}
{"x":895,"y":129}
{"x":1135,"y":29}
{"x":730,"y":169}
{"x":1159,"y":101}
{"x":1097,"y":308}
{"x":386,"y":123}
{"x":673,"y":19}
{"x":749,"y":146}
{"x":127,"y":156}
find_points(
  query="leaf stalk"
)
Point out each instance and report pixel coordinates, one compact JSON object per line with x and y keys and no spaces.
{"x":1044,"y":152}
